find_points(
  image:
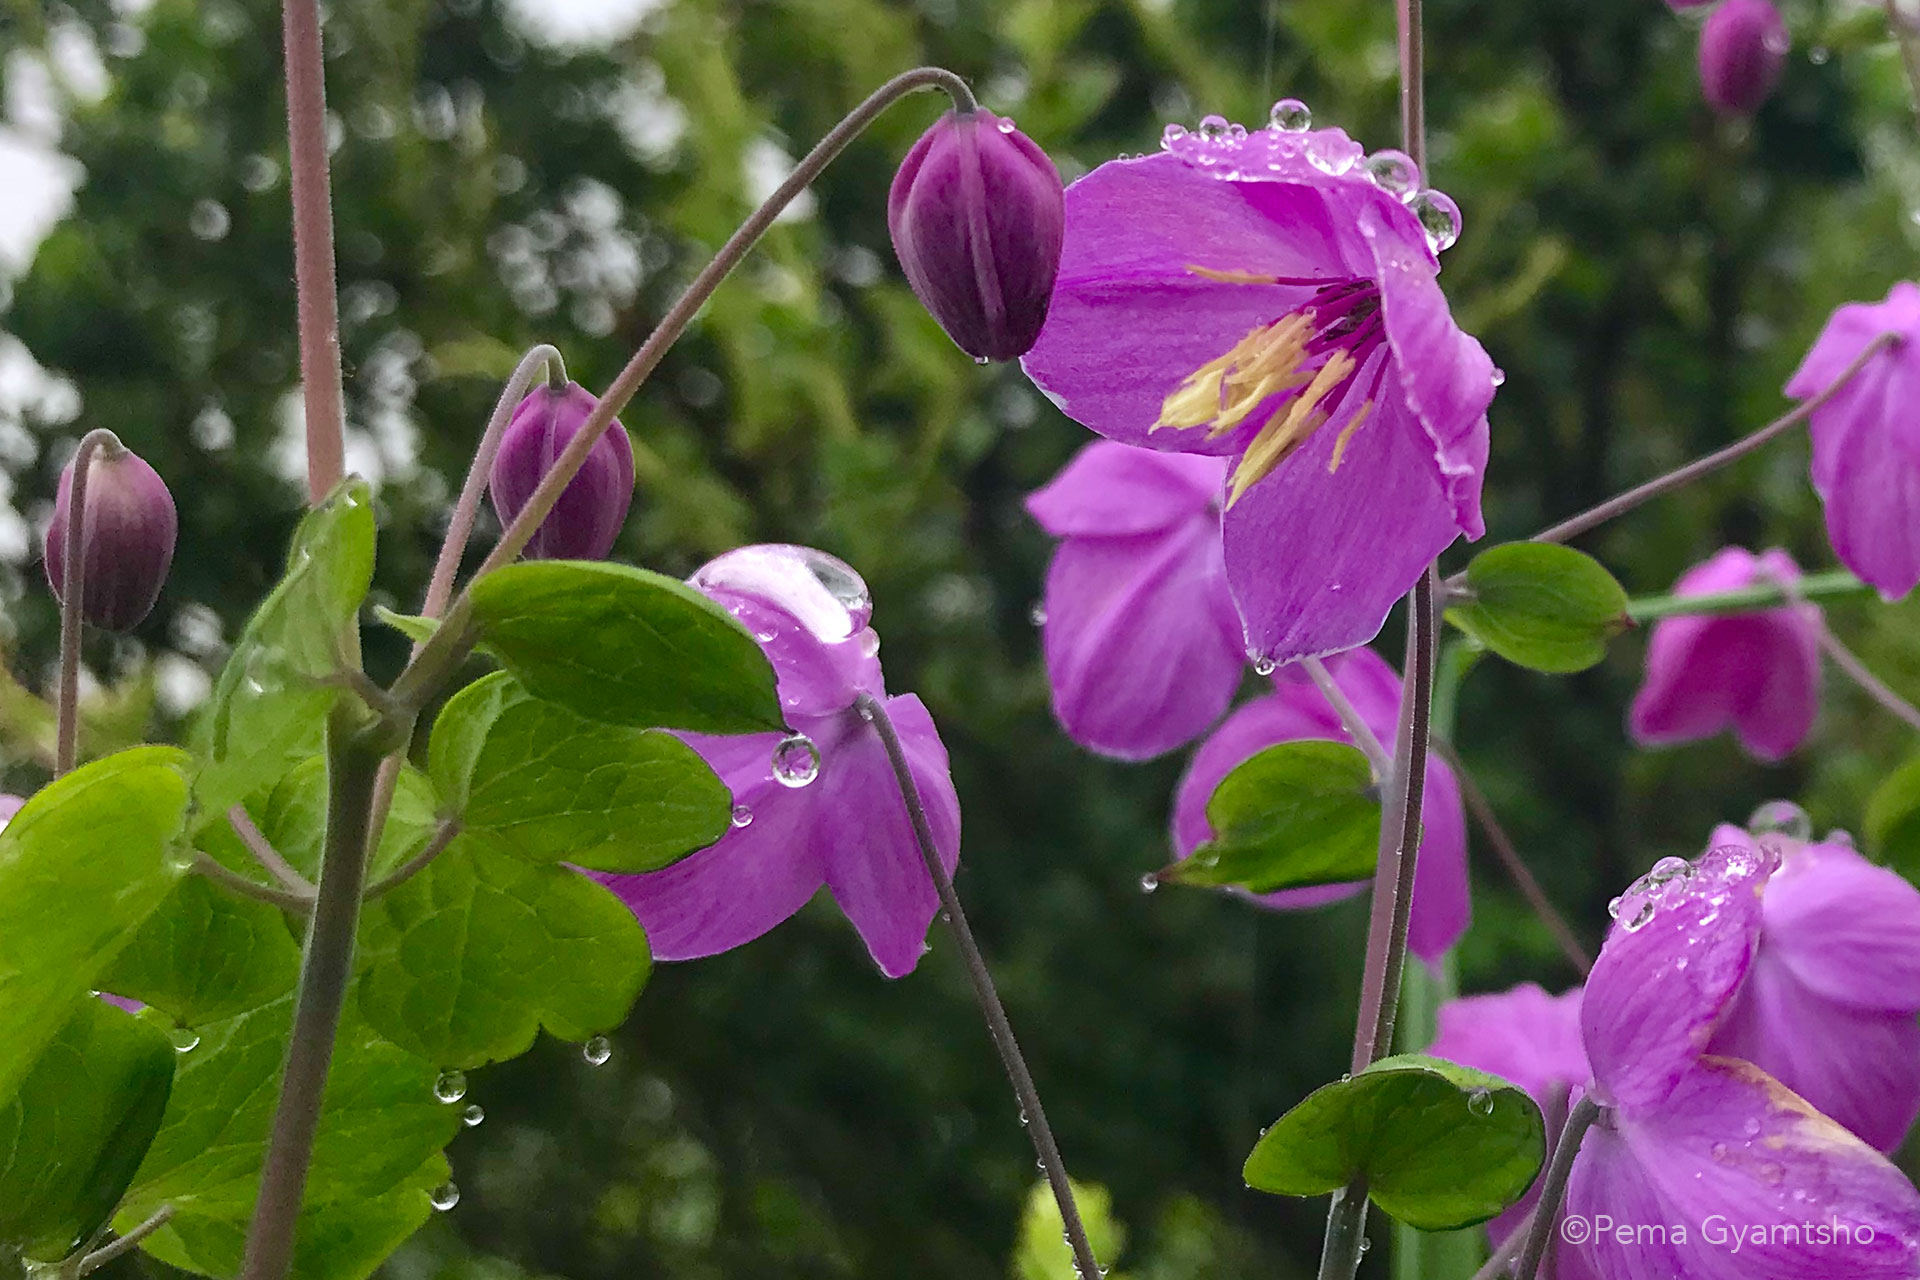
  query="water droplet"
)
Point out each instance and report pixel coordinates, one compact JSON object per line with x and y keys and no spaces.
{"x":1290,"y":115}
{"x":1394,"y":172}
{"x":1023,"y":1117}
{"x":1613,"y":909}
{"x":1751,"y":1128}
{"x":473,"y":1115}
{"x":1781,"y":817}
{"x":450,"y":1087}
{"x":1037,"y":615}
{"x":1439,"y":217}
{"x":1006,"y":124}
{"x":1480,"y":1101}
{"x":869,"y":643}
{"x":1172,"y":133}
{"x":1263,"y":665}
{"x":982,"y":361}
{"x":1836,"y":836}
{"x":1818,"y":55}
{"x":742,"y":816}
{"x":185,"y":1039}
{"x":1641,"y":919}
{"x":209,"y":220}
{"x":597,"y":1050}
{"x":1149,"y":882}
{"x":1213,"y":128}
{"x":444,"y":1197}
{"x":1499,"y":377}
{"x":796,"y":761}
{"x":823,"y":592}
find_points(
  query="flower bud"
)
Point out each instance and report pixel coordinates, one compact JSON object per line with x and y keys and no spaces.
{"x":586,"y":520}
{"x":126,"y":538}
{"x":977,"y":216}
{"x":1743,"y":48}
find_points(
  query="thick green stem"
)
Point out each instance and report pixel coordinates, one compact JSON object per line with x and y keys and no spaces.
{"x":1835,"y":584}
{"x":325,"y":970}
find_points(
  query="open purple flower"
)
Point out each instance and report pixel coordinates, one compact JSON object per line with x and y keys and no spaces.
{"x":1831,"y":1006}
{"x":1297,"y":709}
{"x":816,"y":808}
{"x":1144,"y":650}
{"x":1866,"y":438}
{"x":1271,"y":297}
{"x":1756,"y":673}
{"x":1694,"y":1152}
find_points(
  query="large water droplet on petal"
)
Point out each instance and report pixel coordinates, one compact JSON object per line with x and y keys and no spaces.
{"x":1783,"y":818}
{"x":1213,"y":127}
{"x":742,"y":816}
{"x":1172,"y":133}
{"x":1394,"y":172}
{"x":1439,"y":217}
{"x":796,"y":761}
{"x":1290,"y":115}
{"x":823,"y":592}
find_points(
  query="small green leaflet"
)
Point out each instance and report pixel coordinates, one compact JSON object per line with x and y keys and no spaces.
{"x":1542,"y":606}
{"x":1297,"y":814}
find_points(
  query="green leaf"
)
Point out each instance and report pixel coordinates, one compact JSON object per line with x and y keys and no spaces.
{"x":270,"y":704}
{"x":1441,"y":1145}
{"x":1297,"y":814}
{"x":1542,"y":606}
{"x":206,"y":955}
{"x":1043,"y":1253}
{"x":622,"y":645}
{"x":412,"y":626}
{"x":1893,"y":820}
{"x":86,"y":860}
{"x":552,"y":786}
{"x":347,"y":1240}
{"x":466,"y":960}
{"x":72,"y":1137}
{"x":294,"y":819}
{"x":380,"y":1120}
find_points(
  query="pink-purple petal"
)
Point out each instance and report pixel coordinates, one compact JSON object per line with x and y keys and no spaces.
{"x":1847,"y":929}
{"x":1112,"y":490}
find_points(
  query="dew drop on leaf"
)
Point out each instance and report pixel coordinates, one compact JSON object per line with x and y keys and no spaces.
{"x":450,"y":1087}
{"x":445,"y":1196}
{"x":597,"y":1050}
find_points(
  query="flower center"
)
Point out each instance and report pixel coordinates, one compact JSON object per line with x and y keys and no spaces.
{"x":1311,"y":355}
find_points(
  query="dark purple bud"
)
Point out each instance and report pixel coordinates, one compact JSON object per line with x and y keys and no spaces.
{"x":126,"y":538}
{"x":1743,"y":49}
{"x":977,"y":215}
{"x":584,"y":524}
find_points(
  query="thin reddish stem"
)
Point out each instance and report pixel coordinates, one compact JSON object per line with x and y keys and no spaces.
{"x":313,"y":269}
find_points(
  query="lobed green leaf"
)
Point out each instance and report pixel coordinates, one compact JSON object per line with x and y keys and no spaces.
{"x":1542,"y":606}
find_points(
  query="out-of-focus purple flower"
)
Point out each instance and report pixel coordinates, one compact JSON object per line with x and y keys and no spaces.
{"x":1271,"y":297}
{"x":1743,"y":49}
{"x":9,"y":805}
{"x":126,"y":539}
{"x":1143,"y":647}
{"x":1756,"y":673}
{"x":585,"y":522}
{"x":1831,"y":1006}
{"x":1691,"y":1146}
{"x":975,"y":213}
{"x":1296,"y":709}
{"x":1866,"y":438}
{"x":817,"y":808}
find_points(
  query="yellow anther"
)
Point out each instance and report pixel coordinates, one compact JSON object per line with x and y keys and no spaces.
{"x":1222,"y":392}
{"x":1354,"y":423}
{"x":1286,"y":432}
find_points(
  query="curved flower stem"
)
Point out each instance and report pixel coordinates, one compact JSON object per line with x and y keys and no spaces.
{"x":205,"y":866}
{"x":126,"y":1244}
{"x":1554,"y":1186}
{"x":326,"y":967}
{"x":66,"y":742}
{"x":264,"y":853}
{"x":874,"y":712}
{"x":1857,"y":671}
{"x":313,"y":270}
{"x":1357,"y":729}
{"x":1835,"y":584}
{"x":1516,"y":867}
{"x":1500,"y":1265}
{"x":1620,"y":504}
{"x":435,"y":846}
{"x":451,"y":643}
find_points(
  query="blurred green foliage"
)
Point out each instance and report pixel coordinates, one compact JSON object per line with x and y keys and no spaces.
{"x":1646,"y":275}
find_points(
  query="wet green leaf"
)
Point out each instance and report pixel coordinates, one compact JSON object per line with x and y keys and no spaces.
{"x":1542,"y":606}
{"x":1297,"y":814}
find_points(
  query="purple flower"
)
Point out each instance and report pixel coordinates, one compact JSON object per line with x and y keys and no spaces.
{"x":126,"y":542}
{"x":1271,"y":298}
{"x":1756,"y":673}
{"x":1144,"y":650}
{"x":585,"y":522}
{"x":1743,"y":49}
{"x":1691,"y":1146}
{"x":1830,"y":1004}
{"x":1296,"y":709}
{"x":820,"y":807}
{"x":975,"y":215}
{"x":1866,"y":439}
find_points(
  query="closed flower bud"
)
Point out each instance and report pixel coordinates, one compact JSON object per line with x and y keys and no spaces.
{"x":976,"y":214}
{"x":1743,"y":48}
{"x":126,"y":538}
{"x":585,"y":522}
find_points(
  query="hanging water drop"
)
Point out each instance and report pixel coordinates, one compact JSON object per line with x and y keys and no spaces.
{"x":1480,"y":1101}
{"x":1613,"y":909}
{"x":473,"y":1115}
{"x":444,"y":1197}
{"x":1394,"y":172}
{"x":1262,"y":664}
{"x":1290,"y":115}
{"x":742,"y":816}
{"x":796,"y":761}
{"x":450,"y":1087}
{"x":1439,"y":217}
{"x":596,"y":1051}
{"x":1037,"y":615}
{"x":185,"y":1039}
{"x":1783,"y":818}
{"x":1149,"y":882}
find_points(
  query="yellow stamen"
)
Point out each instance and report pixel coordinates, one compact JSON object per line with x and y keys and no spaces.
{"x":1283,"y":434}
{"x":1222,"y":392}
{"x":1229,"y":276}
{"x":1346,"y":433}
